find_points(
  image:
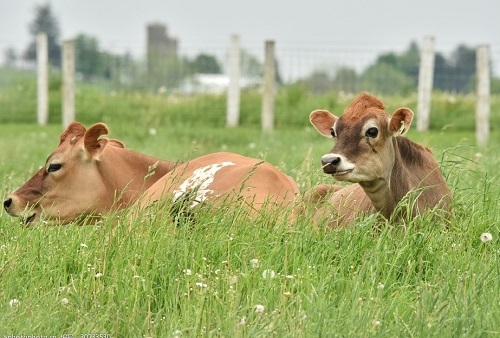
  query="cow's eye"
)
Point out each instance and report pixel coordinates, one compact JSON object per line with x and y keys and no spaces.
{"x":332,"y":132}
{"x":54,"y":167}
{"x":372,"y":132}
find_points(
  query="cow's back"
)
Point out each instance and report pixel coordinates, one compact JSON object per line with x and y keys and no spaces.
{"x":226,"y":178}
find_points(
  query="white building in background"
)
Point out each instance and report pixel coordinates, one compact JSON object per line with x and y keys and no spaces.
{"x":213,"y":84}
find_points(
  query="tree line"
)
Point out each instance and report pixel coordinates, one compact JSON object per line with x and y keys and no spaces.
{"x":390,"y":73}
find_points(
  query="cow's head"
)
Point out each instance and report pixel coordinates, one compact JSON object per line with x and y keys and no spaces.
{"x":363,"y":148}
{"x":69,"y":184}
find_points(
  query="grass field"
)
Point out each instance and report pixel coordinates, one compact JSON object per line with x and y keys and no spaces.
{"x":229,"y":277}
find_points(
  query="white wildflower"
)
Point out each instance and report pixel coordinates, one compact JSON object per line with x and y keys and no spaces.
{"x":254,"y":262}
{"x":188,"y":272}
{"x":83,"y":245}
{"x":14,"y":302}
{"x":201,"y":285}
{"x":152,"y":131}
{"x":268,"y":273}
{"x":259,"y":308}
{"x":233,"y":279}
{"x":380,"y":286}
{"x":486,"y":237}
{"x":64,"y":301}
{"x":98,"y":275}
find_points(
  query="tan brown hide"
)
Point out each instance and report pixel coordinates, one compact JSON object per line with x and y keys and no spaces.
{"x":229,"y":179}
{"x":370,"y":152}
{"x":87,"y":174}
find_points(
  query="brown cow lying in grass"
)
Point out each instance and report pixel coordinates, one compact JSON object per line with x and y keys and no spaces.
{"x":90,"y":175}
{"x":384,"y":166}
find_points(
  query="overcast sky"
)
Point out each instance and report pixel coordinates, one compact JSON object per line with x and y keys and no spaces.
{"x":375,"y":26}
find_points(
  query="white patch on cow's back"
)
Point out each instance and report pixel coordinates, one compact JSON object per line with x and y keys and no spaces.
{"x":200,"y":180}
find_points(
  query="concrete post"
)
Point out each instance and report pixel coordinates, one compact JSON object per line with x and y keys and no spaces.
{"x":425,"y":82}
{"x":68,"y":90}
{"x":233,"y":90}
{"x":269,"y":89}
{"x":42,"y":60}
{"x":482,"y":94}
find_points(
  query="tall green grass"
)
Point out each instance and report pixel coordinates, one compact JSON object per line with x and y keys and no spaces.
{"x":227,"y":276}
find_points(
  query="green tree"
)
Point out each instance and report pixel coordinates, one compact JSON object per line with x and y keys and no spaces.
{"x":10,"y":57}
{"x":346,"y":79}
{"x":206,"y":64}
{"x":455,"y":74}
{"x":250,"y":65}
{"x":90,"y":61}
{"x":385,"y":79}
{"x":46,"y":22}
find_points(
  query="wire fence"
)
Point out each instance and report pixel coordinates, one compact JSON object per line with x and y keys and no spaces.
{"x":347,"y":68}
{"x":205,"y":70}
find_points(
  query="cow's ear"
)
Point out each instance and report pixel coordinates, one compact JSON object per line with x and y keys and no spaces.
{"x":116,"y":143}
{"x":94,"y":143}
{"x":75,"y":129}
{"x":400,"y":121}
{"x":323,"y":121}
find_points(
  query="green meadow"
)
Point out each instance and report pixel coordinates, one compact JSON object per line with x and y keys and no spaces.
{"x":226,"y":276}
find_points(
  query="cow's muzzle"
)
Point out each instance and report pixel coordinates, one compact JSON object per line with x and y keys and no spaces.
{"x":12,"y":207}
{"x":333,"y":164}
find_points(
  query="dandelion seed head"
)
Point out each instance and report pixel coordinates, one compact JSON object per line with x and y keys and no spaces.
{"x":486,"y":237}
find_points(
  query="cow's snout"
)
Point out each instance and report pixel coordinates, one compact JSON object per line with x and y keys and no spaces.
{"x":330,"y":163}
{"x":7,"y":203}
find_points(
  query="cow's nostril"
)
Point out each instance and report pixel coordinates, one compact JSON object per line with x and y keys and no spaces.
{"x":7,"y":203}
{"x":335,"y":161}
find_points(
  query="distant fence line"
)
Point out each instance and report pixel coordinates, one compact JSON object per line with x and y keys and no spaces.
{"x":289,"y":66}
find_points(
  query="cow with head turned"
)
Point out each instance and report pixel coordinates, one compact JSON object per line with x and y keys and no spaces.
{"x":91,"y":175}
{"x":384,"y":166}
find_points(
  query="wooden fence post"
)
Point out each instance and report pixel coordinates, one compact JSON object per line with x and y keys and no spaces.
{"x":42,"y":60}
{"x":68,"y":90}
{"x":233,"y":90}
{"x":269,"y":90}
{"x":482,"y":94}
{"x":425,"y":81}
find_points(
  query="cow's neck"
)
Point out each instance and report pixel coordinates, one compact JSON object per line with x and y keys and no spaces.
{"x":386,"y":191}
{"x":129,"y":173}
